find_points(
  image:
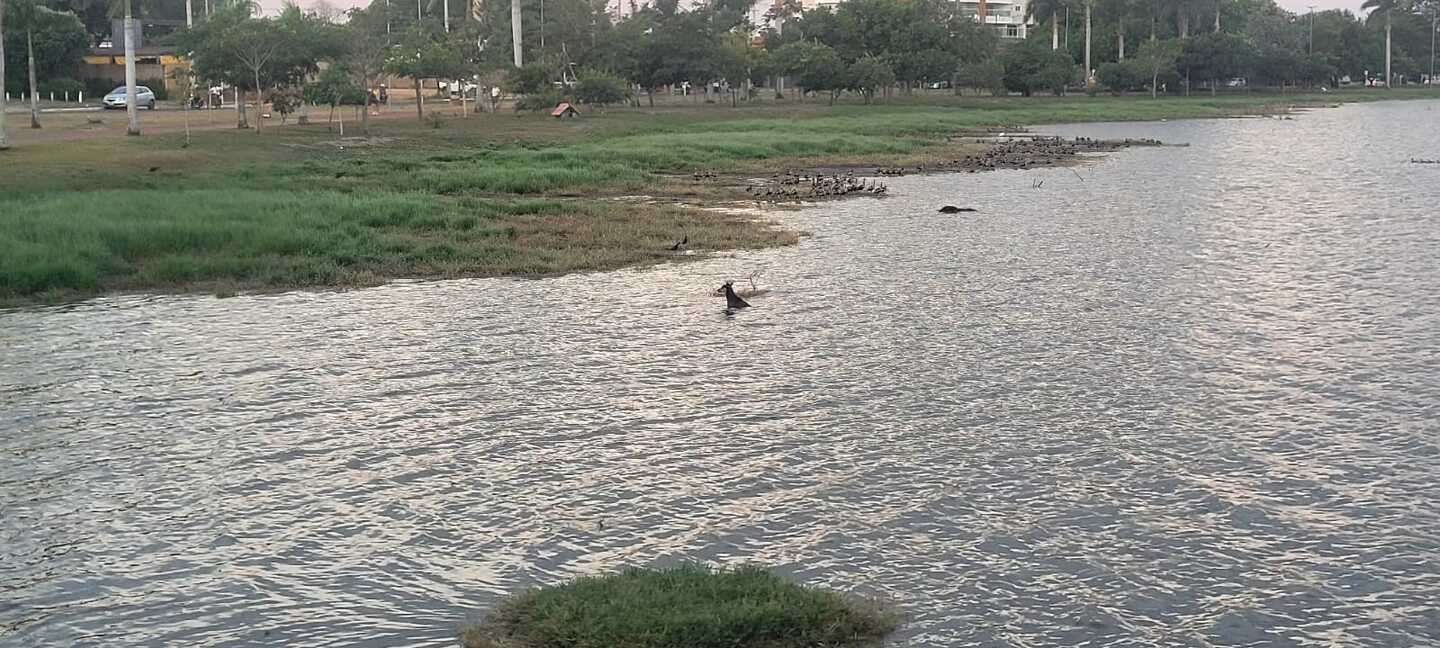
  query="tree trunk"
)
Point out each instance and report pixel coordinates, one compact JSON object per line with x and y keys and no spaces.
{"x":1054,"y":30}
{"x":1088,"y":5}
{"x":4,"y":141}
{"x":240,"y":121}
{"x":1154,"y":84}
{"x":131,"y":110}
{"x":515,"y":37}
{"x":259,"y":103}
{"x":419,"y":100}
{"x":1388,"y":78}
{"x":1183,"y":23}
{"x":189,"y":15}
{"x":1120,"y":31}
{"x":1217,"y":16}
{"x":365,"y":115}
{"x":651,"y":96}
{"x":34,"y":87}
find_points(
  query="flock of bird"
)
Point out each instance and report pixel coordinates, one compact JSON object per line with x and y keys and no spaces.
{"x":796,"y":186}
{"x":1423,"y":161}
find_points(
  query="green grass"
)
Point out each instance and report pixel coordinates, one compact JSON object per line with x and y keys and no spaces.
{"x":85,"y":243}
{"x":682,"y":607}
{"x":491,"y":195}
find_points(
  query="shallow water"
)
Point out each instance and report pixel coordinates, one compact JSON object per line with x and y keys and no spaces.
{"x":1179,"y":397}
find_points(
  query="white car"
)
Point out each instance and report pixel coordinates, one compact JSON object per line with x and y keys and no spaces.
{"x":143,"y":97}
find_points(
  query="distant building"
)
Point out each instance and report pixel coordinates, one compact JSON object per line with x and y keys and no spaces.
{"x":152,"y":62}
{"x":1006,"y":17}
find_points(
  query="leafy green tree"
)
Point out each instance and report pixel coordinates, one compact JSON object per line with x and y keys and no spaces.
{"x":601,"y":88}
{"x":870,"y":75}
{"x":816,"y":67}
{"x":986,"y":75}
{"x":1158,"y":57}
{"x":1217,"y":56}
{"x":419,"y":56}
{"x":44,"y":44}
{"x":1029,"y":67}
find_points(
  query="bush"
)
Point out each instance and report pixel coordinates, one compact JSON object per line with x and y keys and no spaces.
{"x":530,"y":79}
{"x":690,"y":606}
{"x":97,"y":88}
{"x":601,"y":88}
{"x":156,"y":86}
{"x":538,"y":101}
{"x":61,"y":86}
{"x":1122,"y":77}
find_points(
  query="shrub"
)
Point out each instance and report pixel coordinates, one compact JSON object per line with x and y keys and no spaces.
{"x":1120,"y":77}
{"x":601,"y":88}
{"x":538,"y":101}
{"x":156,"y":86}
{"x":530,"y":79}
{"x":59,"y":87}
{"x":1031,"y":66}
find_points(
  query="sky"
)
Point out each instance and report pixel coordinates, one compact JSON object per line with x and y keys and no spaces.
{"x":1297,"y":6}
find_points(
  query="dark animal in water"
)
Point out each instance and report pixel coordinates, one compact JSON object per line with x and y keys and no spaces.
{"x":951,"y":209}
{"x":679,"y":246}
{"x":732,"y":300}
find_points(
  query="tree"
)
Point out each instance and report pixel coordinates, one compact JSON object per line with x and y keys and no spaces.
{"x":23,"y":16}
{"x":1043,"y":7}
{"x":601,"y":88}
{"x":987,"y":75}
{"x":870,"y":74}
{"x":254,"y":44}
{"x":1158,"y":57}
{"x":1217,"y":56}
{"x":1029,"y":67}
{"x":816,"y":67}
{"x":366,"y":54}
{"x":420,"y":57}
{"x":1384,"y":8}
{"x":132,"y":111}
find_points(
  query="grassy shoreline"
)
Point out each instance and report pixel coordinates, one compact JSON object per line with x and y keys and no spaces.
{"x":487,"y":196}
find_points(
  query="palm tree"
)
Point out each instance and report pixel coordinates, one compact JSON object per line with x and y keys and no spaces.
{"x":131,"y":110}
{"x":1385,"y":7}
{"x":1042,"y":7}
{"x":515,"y":31}
{"x":1089,"y":4}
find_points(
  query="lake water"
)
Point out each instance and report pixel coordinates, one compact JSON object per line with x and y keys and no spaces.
{"x":1178,"y":397}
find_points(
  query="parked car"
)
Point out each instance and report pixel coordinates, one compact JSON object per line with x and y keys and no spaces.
{"x":143,"y":97}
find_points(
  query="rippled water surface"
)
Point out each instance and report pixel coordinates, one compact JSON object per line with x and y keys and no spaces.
{"x":1178,"y":397}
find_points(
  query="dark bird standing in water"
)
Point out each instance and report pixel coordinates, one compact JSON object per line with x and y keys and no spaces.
{"x":681,"y":245}
{"x":951,"y":209}
{"x":732,"y":300}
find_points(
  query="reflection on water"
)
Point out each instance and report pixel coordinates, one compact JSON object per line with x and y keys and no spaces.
{"x":1183,"y":396}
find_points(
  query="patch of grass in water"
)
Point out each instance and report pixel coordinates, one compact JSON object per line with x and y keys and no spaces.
{"x":689,"y":606}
